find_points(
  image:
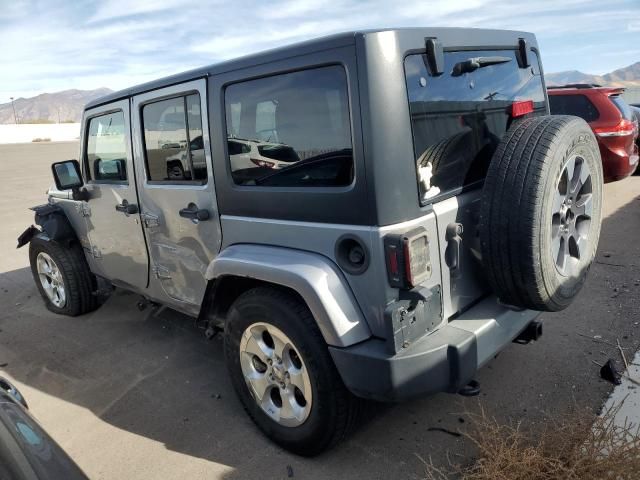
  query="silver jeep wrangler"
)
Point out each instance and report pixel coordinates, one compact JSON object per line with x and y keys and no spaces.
{"x":371,"y":215}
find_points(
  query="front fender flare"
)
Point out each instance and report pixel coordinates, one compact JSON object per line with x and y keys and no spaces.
{"x":313,"y":276}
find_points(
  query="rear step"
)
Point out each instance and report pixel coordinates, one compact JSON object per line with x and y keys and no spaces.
{"x":533,"y":331}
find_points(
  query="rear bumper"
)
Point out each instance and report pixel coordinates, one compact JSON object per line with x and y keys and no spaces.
{"x":617,"y":165}
{"x":442,"y":361}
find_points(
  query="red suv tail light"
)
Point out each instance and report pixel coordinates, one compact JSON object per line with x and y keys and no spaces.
{"x":624,"y":128}
{"x":408,"y":260}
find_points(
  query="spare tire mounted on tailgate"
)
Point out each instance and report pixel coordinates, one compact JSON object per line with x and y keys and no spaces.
{"x":541,"y":212}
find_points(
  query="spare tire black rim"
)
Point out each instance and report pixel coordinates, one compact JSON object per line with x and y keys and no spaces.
{"x":571,"y":220}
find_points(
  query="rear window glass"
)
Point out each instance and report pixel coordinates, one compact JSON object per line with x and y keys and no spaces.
{"x":106,"y":152}
{"x":578,"y":105}
{"x":290,"y":130}
{"x":458,"y":117}
{"x":623,"y":106}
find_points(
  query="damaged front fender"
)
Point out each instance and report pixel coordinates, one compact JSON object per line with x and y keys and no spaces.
{"x":26,"y":236}
{"x":53,"y":221}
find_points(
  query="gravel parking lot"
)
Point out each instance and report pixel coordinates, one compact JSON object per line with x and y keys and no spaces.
{"x":141,"y":395}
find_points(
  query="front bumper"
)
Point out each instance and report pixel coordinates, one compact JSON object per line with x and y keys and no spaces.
{"x":442,"y":361}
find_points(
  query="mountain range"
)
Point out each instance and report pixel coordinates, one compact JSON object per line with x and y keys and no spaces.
{"x":66,"y":106}
{"x":623,"y":77}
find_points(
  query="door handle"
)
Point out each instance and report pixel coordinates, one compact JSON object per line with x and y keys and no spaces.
{"x":194,"y":213}
{"x":127,"y":208}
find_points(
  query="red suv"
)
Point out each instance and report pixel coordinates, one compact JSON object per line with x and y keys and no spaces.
{"x":610,"y":118}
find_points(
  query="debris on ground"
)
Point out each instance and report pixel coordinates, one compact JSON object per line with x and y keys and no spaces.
{"x":609,"y":373}
{"x":444,"y":430}
{"x":289,"y":471}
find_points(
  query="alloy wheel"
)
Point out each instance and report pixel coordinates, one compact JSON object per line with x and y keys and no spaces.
{"x":276,"y":374}
{"x":571,"y":220}
{"x":51,"y":279}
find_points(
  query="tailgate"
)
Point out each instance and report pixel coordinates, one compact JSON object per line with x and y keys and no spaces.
{"x":458,"y":118}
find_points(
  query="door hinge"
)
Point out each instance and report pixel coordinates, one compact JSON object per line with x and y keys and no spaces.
{"x":150,"y":220}
{"x":83,"y":209}
{"x":161,"y":273}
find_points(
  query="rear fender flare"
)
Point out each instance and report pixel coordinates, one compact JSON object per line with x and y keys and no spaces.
{"x":314,"y":277}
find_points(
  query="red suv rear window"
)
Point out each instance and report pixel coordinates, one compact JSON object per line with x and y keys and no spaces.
{"x":578,"y":105}
{"x":623,"y":106}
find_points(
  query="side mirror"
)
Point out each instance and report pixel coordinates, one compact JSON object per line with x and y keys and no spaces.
{"x":68,"y":177}
{"x":12,"y":391}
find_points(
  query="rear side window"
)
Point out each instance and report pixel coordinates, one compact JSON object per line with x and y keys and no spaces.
{"x":106,"y":151}
{"x":578,"y":105}
{"x":623,"y":106}
{"x":290,"y":130}
{"x":173,"y":141}
{"x":458,"y":117}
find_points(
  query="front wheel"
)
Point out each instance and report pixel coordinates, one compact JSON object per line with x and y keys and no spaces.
{"x":63,"y":277}
{"x":283,"y":374}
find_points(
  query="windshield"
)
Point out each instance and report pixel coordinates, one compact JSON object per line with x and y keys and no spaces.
{"x":457,"y":118}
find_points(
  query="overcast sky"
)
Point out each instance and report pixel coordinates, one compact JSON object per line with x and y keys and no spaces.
{"x":51,"y":45}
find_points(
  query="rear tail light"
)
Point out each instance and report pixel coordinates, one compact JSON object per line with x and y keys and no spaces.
{"x":624,"y":128}
{"x":263,"y":163}
{"x":521,"y":108}
{"x":408,"y":261}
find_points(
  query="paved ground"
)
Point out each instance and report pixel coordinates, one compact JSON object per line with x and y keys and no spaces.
{"x":140,"y":395}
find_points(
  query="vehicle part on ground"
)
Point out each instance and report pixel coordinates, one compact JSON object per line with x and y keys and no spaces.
{"x":266,"y":326}
{"x":543,"y":193}
{"x":62,"y":276}
{"x":471,"y":389}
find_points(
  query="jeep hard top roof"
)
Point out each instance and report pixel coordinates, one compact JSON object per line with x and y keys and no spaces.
{"x":450,"y":37}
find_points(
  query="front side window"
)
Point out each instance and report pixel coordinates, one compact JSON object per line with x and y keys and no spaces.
{"x":106,"y":151}
{"x":459,"y":116}
{"x":174,"y":146}
{"x":290,"y":130}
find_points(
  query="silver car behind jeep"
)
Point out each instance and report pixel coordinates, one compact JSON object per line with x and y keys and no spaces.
{"x":412,"y":211}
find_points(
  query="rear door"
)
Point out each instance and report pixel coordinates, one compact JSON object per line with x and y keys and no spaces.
{"x":176,"y":189}
{"x":458,"y":119}
{"x":118,"y":250}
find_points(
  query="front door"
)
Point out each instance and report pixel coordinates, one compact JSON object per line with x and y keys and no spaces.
{"x":118,"y":250}
{"x":176,"y":189}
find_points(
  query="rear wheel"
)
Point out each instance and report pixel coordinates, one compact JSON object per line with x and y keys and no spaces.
{"x":283,"y":374}
{"x":63,"y":277}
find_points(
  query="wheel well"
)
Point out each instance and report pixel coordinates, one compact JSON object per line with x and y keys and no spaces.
{"x":222,"y":292}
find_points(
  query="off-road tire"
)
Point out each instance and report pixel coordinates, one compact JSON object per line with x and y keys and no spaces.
{"x":79,"y":282}
{"x":516,"y":212}
{"x":334,"y":411}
